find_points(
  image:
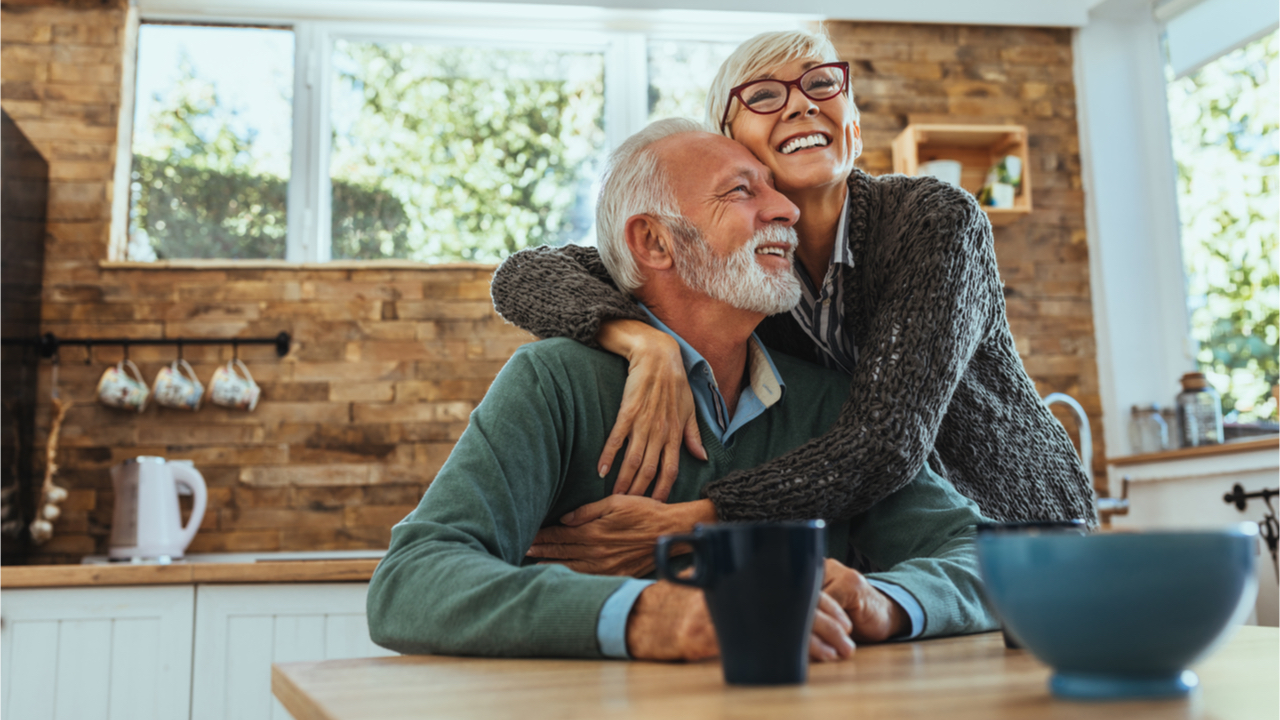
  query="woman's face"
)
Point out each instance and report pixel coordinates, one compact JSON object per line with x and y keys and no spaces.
{"x":833,"y":139}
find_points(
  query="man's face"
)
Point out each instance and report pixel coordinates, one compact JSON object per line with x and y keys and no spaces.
{"x":738,"y":243}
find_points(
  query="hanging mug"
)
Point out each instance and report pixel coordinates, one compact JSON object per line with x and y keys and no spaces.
{"x":121,"y":389}
{"x":178,"y":387}
{"x":232,"y":389}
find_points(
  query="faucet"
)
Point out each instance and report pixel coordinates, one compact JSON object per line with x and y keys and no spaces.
{"x":1106,"y":506}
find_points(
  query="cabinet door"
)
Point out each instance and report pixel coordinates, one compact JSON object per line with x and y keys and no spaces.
{"x":99,"y":652}
{"x":242,"y":629}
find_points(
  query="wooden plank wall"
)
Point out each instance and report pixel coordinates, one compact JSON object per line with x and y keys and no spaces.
{"x":388,"y":361}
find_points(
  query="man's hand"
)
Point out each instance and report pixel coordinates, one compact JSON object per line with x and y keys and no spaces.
{"x":831,"y":627}
{"x":617,"y":535}
{"x":671,"y":622}
{"x":875,"y":616}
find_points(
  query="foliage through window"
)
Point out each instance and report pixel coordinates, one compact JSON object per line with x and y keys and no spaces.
{"x":1225,"y":140}
{"x":211,"y":143}
{"x":462,"y":153}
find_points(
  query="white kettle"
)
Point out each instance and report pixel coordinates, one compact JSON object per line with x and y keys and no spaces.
{"x":146,"y":524}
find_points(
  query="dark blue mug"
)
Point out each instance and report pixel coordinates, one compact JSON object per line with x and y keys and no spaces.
{"x":761,"y":582}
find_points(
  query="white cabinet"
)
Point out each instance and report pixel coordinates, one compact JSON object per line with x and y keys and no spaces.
{"x":1169,"y":491}
{"x":101,"y":652}
{"x":242,"y":629}
{"x":169,"y":652}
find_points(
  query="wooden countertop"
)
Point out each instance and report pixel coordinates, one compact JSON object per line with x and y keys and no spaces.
{"x":963,"y":678}
{"x":290,"y":571}
{"x":1271,"y":442}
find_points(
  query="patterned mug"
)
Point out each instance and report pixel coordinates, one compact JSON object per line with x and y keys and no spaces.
{"x":178,"y":387}
{"x":124,"y":390}
{"x":234,"y":390}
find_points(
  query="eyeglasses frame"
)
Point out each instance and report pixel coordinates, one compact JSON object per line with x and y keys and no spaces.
{"x":737,"y":91}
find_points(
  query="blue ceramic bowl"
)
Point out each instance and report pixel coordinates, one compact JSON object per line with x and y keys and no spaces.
{"x":1120,"y":615}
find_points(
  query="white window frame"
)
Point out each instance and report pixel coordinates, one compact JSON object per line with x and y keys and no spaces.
{"x":622,"y":37}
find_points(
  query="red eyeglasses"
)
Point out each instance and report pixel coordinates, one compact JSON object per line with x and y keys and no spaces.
{"x":763,"y":97}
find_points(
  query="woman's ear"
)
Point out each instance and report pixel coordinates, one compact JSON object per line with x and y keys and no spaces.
{"x":649,"y":242}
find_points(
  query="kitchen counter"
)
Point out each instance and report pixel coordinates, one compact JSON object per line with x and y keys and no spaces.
{"x":265,"y":568}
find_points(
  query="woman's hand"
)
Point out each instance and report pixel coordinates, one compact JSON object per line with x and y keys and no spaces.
{"x":617,"y":535}
{"x":657,"y":411}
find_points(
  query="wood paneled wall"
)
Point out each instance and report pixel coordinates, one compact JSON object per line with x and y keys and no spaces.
{"x":389,"y":360}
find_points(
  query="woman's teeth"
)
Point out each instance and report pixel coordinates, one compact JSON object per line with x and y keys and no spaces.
{"x":804,"y":142}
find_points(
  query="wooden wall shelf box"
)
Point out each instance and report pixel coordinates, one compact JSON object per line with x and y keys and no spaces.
{"x":977,"y":148}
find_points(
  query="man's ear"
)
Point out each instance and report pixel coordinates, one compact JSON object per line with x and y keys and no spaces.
{"x":649,"y":242}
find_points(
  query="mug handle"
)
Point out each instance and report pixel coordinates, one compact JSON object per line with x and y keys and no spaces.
{"x":240,"y":364}
{"x":137,"y":374}
{"x":662,"y":556}
{"x":190,"y":371}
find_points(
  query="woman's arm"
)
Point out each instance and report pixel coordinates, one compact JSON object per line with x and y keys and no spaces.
{"x":934,"y":306}
{"x":560,"y":292}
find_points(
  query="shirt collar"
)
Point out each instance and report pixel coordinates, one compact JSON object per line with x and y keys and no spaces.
{"x":765,"y":386}
{"x":842,"y":253}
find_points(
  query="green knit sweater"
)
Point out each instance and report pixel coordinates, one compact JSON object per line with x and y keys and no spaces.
{"x":456,"y":581}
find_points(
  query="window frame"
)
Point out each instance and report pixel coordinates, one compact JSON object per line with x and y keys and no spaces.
{"x":621,"y":37}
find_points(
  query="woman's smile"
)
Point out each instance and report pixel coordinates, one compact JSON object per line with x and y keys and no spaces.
{"x":808,"y":144}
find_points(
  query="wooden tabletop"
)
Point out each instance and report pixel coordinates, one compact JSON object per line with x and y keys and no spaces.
{"x":40,"y":576}
{"x":963,"y":678}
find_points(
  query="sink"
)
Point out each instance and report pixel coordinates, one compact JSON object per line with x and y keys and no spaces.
{"x":305,"y":555}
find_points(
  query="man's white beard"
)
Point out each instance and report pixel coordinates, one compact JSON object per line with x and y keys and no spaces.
{"x":739,"y":280}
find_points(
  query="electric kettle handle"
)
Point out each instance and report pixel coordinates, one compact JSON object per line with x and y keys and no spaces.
{"x":184,"y":474}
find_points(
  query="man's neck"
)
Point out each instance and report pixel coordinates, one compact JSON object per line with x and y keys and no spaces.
{"x":719,"y":333}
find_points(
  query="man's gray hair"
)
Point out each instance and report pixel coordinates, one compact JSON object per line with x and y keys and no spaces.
{"x":635,"y":183}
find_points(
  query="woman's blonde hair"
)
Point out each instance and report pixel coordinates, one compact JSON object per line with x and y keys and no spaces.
{"x":757,"y":56}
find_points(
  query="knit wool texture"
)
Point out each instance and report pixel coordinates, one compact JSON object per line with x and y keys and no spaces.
{"x":938,"y":376}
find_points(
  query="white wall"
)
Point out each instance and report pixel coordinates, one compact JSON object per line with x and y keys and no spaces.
{"x":1135,"y":257}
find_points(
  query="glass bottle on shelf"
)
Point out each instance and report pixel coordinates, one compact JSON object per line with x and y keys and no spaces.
{"x":1199,"y":412}
{"x":1148,"y":431}
{"x":1170,"y":415}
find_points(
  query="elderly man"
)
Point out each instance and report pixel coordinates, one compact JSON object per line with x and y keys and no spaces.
{"x":690,"y":223}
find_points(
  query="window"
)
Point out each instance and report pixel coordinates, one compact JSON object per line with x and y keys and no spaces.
{"x":211,"y":143}
{"x":430,"y":139}
{"x":680,"y":72}
{"x":1224,"y":118}
{"x":462,"y":153}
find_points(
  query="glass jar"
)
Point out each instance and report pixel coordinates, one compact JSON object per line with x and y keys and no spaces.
{"x":1148,"y":431}
{"x":1199,"y":412}
{"x":1170,"y":415}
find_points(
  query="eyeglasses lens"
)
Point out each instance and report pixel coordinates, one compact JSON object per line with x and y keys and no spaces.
{"x":820,"y":83}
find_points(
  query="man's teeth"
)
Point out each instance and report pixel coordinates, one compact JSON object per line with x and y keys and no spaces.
{"x":804,"y":142}
{"x":772,"y":251}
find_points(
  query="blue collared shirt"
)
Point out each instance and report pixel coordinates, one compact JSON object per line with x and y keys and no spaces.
{"x":765,"y":388}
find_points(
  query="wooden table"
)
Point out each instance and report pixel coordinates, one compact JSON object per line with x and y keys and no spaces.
{"x":953,"y":678}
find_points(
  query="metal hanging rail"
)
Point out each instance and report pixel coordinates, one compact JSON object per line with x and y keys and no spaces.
{"x":48,"y":344}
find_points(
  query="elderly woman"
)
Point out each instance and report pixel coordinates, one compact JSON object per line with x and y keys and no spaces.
{"x":900,"y":291}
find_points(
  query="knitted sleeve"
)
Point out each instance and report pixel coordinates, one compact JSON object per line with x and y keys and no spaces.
{"x":937,"y":283}
{"x":560,"y":292}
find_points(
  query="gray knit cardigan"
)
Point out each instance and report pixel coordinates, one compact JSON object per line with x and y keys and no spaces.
{"x":937,"y":379}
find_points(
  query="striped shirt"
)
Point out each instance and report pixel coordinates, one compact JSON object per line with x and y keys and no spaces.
{"x":819,"y":309}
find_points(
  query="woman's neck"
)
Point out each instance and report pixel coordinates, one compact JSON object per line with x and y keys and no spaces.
{"x":820,"y":210}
